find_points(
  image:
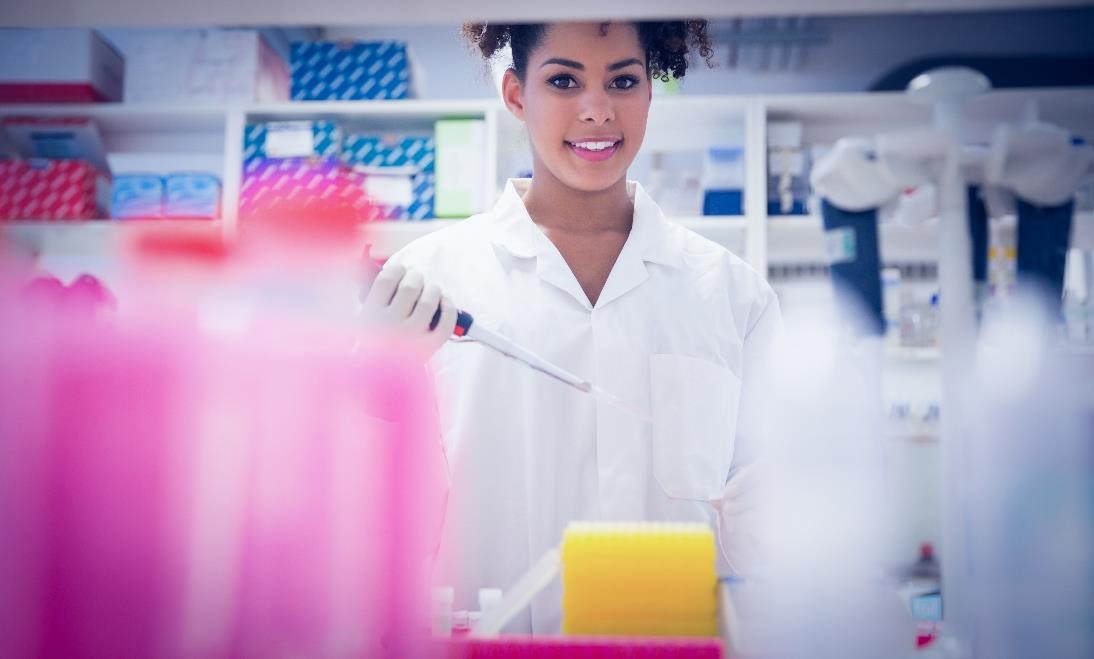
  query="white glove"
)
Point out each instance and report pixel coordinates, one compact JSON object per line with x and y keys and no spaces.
{"x":400,"y":302}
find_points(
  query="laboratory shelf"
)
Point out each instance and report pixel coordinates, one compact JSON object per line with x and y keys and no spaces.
{"x":389,"y":237}
{"x":710,"y":121}
{"x":155,"y":137}
{"x":380,"y":115}
{"x":699,"y":222}
{"x":94,"y":236}
{"x":416,"y":107}
{"x":913,"y":354}
{"x":830,"y":116}
{"x":913,"y":436}
{"x":386,"y":237}
{"x":128,"y":116}
{"x":800,"y":239}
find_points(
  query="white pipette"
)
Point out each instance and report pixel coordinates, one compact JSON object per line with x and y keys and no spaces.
{"x":466,"y":327}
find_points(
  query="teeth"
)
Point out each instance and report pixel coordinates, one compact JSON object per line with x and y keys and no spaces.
{"x":593,"y":146}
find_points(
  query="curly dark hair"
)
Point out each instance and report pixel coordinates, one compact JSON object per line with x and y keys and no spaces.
{"x":667,"y":43}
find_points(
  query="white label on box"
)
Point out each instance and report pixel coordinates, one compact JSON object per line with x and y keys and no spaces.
{"x":390,"y":189}
{"x":840,"y":245}
{"x":289,"y":139}
{"x":784,"y":134}
{"x":786,"y":161}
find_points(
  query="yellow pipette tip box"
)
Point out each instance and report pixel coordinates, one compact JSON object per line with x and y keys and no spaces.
{"x":639,"y":579}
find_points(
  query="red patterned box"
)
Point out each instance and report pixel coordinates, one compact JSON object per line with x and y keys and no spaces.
{"x":52,"y":190}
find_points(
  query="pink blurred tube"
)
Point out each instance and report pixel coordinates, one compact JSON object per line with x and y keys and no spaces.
{"x":165,"y":495}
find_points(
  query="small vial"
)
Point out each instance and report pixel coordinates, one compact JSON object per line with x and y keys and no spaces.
{"x":461,"y":623}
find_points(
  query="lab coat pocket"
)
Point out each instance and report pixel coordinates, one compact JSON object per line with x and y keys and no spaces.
{"x":694,"y":404}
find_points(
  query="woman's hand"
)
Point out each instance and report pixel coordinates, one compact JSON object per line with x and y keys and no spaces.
{"x":401,"y":302}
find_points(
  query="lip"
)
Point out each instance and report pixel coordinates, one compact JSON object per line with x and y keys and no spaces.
{"x":595,"y":156}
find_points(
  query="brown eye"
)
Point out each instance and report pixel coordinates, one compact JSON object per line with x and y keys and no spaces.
{"x":624,"y":82}
{"x":563,"y":82}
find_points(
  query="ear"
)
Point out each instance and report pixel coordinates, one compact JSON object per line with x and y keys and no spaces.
{"x":512,"y":93}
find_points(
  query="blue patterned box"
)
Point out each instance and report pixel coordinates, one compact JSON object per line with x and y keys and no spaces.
{"x":325,"y":141}
{"x":192,"y":195}
{"x":137,"y":196}
{"x":402,"y":169}
{"x":350,"y":71}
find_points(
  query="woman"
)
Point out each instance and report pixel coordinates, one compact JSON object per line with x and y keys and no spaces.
{"x":579,"y":265}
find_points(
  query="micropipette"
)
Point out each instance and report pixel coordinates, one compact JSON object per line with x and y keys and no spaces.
{"x":467,"y":328}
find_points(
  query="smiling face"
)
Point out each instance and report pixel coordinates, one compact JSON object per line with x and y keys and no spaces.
{"x":585,"y":99}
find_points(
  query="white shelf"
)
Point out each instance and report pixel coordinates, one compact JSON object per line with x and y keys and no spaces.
{"x":93,"y":236}
{"x":699,"y":222}
{"x":151,"y":129}
{"x":387,"y":238}
{"x":695,"y":123}
{"x":208,"y":135}
{"x":827,"y":117}
{"x":800,"y":239}
{"x":926,"y":436}
{"x":66,"y":13}
{"x":911,"y":354}
{"x":129,"y":117}
{"x":414,"y":108}
{"x":728,"y":231}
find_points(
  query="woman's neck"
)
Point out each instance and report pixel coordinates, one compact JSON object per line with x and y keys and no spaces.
{"x":558,"y":207}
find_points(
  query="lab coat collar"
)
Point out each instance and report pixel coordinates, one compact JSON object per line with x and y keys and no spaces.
{"x":652,"y":238}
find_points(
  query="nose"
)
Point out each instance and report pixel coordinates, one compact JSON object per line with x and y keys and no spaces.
{"x":596,"y":108}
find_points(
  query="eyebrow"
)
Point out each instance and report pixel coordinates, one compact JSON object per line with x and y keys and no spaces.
{"x":622,"y":64}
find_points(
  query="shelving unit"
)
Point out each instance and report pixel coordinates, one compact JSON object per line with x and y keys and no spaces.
{"x":95,"y":237}
{"x":212,"y":138}
{"x":203,"y":137}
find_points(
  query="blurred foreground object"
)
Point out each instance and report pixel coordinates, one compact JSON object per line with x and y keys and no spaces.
{"x":217,"y":473}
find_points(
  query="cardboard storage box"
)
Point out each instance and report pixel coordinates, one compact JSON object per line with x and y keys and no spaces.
{"x":52,"y":190}
{"x":398,"y":170}
{"x":137,"y":196}
{"x":351,"y":71}
{"x":271,"y":184}
{"x":191,"y":195}
{"x":58,"y":66}
{"x":68,"y":138}
{"x":202,"y":67}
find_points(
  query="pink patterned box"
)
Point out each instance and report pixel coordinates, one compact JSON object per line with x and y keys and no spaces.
{"x":272,"y":185}
{"x":52,"y":190}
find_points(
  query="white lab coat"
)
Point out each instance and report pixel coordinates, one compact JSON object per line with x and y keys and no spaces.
{"x":681,"y":328}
